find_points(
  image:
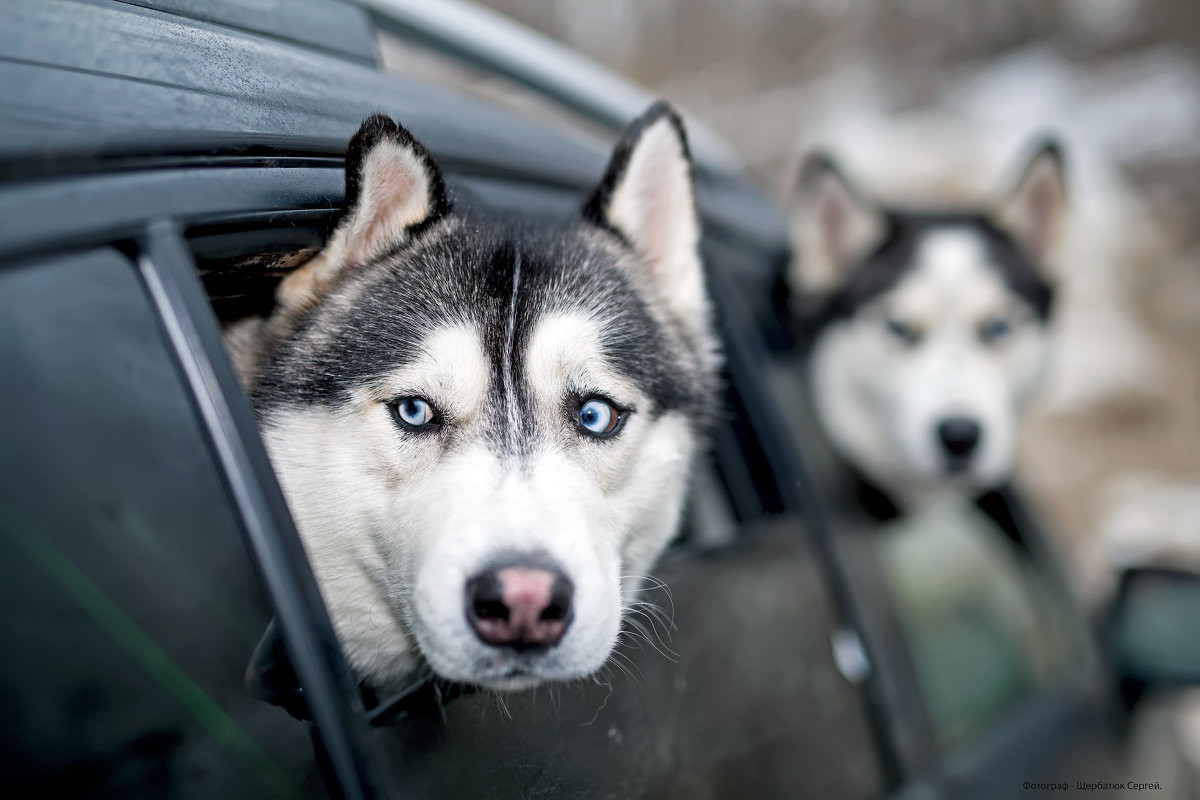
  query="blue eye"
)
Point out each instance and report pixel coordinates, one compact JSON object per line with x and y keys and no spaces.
{"x":902,"y":331}
{"x":994,"y":330}
{"x":599,"y":417}
{"x":413,"y":412}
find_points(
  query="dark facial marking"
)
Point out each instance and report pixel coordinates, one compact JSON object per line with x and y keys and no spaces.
{"x":894,"y":258}
{"x":501,"y":277}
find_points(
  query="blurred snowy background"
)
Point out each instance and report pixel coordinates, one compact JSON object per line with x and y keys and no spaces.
{"x":947,"y":91}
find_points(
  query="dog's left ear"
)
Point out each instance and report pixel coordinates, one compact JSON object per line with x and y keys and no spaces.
{"x":1034,"y":210}
{"x":647,"y":197}
{"x":393,"y":190}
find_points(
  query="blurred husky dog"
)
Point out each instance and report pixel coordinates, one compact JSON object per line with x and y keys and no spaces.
{"x":926,"y":326}
{"x":484,"y":425}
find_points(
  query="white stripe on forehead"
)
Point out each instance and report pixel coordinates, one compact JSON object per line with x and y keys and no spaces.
{"x":514,"y":413}
{"x":450,"y":370}
{"x":565,"y":351}
{"x":951,"y":254}
{"x":951,"y":277}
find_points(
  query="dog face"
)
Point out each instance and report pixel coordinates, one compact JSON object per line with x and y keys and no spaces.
{"x":930,"y":328}
{"x":483,"y":427}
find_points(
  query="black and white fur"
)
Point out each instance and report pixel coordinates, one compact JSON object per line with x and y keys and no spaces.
{"x":926,"y":328}
{"x":502,"y":327}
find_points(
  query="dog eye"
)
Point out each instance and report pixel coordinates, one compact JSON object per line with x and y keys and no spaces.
{"x":994,"y":330}
{"x":599,"y":417}
{"x":413,"y":412}
{"x":902,"y":331}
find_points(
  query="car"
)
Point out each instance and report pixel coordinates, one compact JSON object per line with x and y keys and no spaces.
{"x":162,"y":164}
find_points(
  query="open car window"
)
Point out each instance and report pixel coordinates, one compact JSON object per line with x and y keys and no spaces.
{"x":741,"y":622}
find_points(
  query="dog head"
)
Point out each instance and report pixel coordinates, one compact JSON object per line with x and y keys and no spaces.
{"x":927,"y":329}
{"x":483,"y":426}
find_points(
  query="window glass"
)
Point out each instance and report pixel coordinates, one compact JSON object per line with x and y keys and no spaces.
{"x":129,"y":608}
{"x":966,"y":624}
{"x":979,"y":617}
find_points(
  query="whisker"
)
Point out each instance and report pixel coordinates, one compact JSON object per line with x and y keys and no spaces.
{"x":655,"y":583}
{"x":503,"y":704}
{"x":603,"y":704}
{"x":629,"y":670}
{"x":662,"y":640}
{"x":660,"y":648}
{"x":660,"y":614}
{"x":439,"y":700}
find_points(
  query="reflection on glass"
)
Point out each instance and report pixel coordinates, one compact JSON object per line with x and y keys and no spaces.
{"x":982,"y":626}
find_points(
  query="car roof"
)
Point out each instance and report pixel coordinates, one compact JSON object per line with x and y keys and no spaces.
{"x":85,"y":84}
{"x":178,"y":84}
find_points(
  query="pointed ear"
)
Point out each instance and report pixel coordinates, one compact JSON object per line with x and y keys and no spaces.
{"x":647,"y":197}
{"x":393,"y":190}
{"x":833,"y":224}
{"x":1034,"y":208}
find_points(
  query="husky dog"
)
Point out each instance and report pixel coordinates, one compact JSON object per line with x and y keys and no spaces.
{"x":927,"y":329}
{"x":484,"y":425}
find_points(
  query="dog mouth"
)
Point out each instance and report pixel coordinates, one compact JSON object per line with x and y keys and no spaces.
{"x":504,"y":668}
{"x":957,"y":466}
{"x":512,"y":671}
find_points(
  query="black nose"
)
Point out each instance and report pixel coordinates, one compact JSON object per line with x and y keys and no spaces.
{"x":959,"y":436}
{"x":520,"y":606}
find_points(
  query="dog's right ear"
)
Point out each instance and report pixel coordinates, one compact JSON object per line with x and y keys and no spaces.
{"x":833,"y":225}
{"x":393,"y":190}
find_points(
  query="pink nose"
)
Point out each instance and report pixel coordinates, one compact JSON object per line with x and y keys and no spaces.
{"x":522,"y":607}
